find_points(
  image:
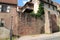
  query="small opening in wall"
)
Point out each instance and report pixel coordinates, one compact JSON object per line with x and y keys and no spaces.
{"x":1,"y":22}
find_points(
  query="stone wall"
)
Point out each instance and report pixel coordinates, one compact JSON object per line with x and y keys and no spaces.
{"x":53,"y":23}
{"x":58,"y":21}
{"x":30,"y":25}
{"x":50,"y":22}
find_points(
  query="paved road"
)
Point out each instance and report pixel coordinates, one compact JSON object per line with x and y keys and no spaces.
{"x":55,"y":36}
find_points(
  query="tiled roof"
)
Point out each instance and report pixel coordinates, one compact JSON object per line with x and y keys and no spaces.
{"x":9,"y":1}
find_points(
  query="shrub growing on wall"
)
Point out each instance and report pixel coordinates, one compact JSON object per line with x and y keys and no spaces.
{"x":40,"y":11}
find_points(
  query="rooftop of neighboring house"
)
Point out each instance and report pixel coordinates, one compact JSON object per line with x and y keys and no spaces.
{"x":26,"y":6}
{"x":57,"y":4}
{"x":49,"y":2}
{"x":9,"y":1}
{"x":32,"y":5}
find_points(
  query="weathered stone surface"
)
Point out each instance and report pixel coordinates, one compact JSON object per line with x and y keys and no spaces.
{"x":55,"y":36}
{"x":30,"y":25}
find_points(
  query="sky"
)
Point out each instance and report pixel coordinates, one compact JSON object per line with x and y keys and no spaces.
{"x":22,"y":2}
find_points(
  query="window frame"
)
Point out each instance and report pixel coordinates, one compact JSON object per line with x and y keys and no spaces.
{"x":0,"y":7}
{"x":48,"y":0}
{"x":4,"y":8}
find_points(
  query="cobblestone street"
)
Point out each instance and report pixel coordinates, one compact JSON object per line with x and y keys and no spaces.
{"x":55,"y":36}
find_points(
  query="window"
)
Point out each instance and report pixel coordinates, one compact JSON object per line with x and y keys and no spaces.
{"x":0,"y":7}
{"x":47,"y":0}
{"x":8,"y":9}
{"x":48,"y":6}
{"x":53,"y":7}
{"x":48,"y":12}
{"x":1,"y":22}
{"x":51,"y":2}
{"x":4,"y":8}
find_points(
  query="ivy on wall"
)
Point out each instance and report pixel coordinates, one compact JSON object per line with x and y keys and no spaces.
{"x":40,"y":11}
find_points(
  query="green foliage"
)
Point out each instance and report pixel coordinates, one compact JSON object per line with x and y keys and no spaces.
{"x":40,"y":11}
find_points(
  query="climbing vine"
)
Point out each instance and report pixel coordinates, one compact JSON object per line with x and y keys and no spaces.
{"x":40,"y":11}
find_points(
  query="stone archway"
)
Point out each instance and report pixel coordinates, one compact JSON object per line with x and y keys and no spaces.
{"x":50,"y":22}
{"x":53,"y":23}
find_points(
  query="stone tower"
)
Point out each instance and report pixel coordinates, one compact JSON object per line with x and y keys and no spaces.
{"x":36,"y":5}
{"x":50,"y":17}
{"x":50,"y":14}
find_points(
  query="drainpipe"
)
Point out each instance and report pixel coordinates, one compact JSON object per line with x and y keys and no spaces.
{"x":11,"y":28}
